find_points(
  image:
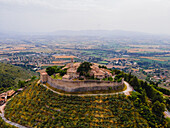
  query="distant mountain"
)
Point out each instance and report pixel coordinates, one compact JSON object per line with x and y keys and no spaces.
{"x":89,"y":33}
{"x":97,"y":33}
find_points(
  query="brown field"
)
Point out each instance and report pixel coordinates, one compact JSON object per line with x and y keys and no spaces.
{"x":119,"y":59}
{"x":109,"y":66}
{"x":136,"y":59}
{"x":60,"y":62}
{"x":56,"y":64}
{"x":135,"y":69}
{"x":134,"y":50}
{"x":66,"y":50}
{"x":6,"y":49}
{"x":144,"y":46}
{"x":149,"y":70}
{"x":152,"y":58}
{"x":19,"y":48}
{"x":121,"y":67}
{"x":14,"y":52}
{"x":26,"y":45}
{"x":64,"y":56}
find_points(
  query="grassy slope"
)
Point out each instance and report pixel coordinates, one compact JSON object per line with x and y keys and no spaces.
{"x":15,"y":71}
{"x":10,"y":75}
{"x":37,"y":106}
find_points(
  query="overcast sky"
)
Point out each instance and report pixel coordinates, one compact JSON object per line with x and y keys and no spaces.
{"x":151,"y":16}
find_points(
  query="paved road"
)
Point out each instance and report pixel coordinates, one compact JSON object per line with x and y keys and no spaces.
{"x":167,"y":114}
{"x":126,"y":92}
{"x":11,"y":123}
{"x":2,"y":109}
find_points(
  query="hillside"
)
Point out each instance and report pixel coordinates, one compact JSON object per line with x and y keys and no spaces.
{"x":10,"y":75}
{"x":39,"y":107}
{"x":3,"y":124}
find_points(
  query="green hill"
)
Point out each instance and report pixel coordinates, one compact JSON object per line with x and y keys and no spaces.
{"x":38,"y":107}
{"x":10,"y":75}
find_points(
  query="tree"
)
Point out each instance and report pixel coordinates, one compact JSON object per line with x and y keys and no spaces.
{"x":134,"y":82}
{"x":143,"y":96}
{"x":33,"y":78}
{"x":102,"y":66}
{"x":84,"y":68}
{"x":158,"y":108}
{"x":21,"y":84}
{"x":51,"y":70}
{"x":110,"y":78}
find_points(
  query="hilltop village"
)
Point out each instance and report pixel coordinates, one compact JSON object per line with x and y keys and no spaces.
{"x":81,"y":77}
{"x":85,"y":70}
{"x":80,"y":71}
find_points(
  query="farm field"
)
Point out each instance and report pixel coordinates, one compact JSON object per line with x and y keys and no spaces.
{"x":39,"y":107}
{"x":64,"y":56}
{"x":157,"y":58}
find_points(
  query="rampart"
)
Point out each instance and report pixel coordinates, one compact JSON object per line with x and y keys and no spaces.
{"x":82,"y":86}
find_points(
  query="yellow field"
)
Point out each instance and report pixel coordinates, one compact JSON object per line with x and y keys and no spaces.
{"x":60,"y":62}
{"x":66,"y":50}
{"x":152,"y":58}
{"x":149,"y":70}
{"x":119,"y":59}
{"x":64,"y":56}
{"x":121,"y":67}
{"x":56,"y":64}
{"x":134,"y":50}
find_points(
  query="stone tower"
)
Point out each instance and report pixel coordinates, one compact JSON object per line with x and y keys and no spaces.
{"x":72,"y":62}
{"x":43,"y":77}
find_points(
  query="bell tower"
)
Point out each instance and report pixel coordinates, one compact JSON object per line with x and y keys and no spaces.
{"x":72,"y":62}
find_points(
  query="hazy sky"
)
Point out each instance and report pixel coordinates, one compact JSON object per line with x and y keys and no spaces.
{"x":151,"y":16}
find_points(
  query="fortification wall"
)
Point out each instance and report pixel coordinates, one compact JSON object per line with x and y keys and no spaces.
{"x":82,"y":86}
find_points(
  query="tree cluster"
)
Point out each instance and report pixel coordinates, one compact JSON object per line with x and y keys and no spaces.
{"x":84,"y":69}
{"x":56,"y":69}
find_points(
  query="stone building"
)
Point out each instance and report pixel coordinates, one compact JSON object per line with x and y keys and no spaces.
{"x":44,"y":77}
{"x":95,"y":71}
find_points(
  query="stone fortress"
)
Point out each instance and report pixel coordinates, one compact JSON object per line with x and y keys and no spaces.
{"x":95,"y":71}
{"x":70,"y":83}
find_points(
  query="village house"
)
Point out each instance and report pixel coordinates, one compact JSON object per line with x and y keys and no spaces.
{"x":95,"y":71}
{"x":5,"y":95}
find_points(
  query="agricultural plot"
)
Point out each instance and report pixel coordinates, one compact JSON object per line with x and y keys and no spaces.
{"x":39,"y":107}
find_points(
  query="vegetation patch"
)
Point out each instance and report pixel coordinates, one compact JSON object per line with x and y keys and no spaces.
{"x":10,"y":75}
{"x":3,"y":124}
{"x":39,"y":107}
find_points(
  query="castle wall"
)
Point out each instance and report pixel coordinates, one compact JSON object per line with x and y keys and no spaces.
{"x":82,"y":86}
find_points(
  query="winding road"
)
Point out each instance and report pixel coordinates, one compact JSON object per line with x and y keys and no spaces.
{"x":2,"y":109}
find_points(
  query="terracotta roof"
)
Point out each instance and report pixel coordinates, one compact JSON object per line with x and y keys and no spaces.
{"x":72,"y":70}
{"x":76,"y":64}
{"x":1,"y":99}
{"x":66,"y":76}
{"x":44,"y":73}
{"x":99,"y":74}
{"x":3,"y":94}
{"x":10,"y":92}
